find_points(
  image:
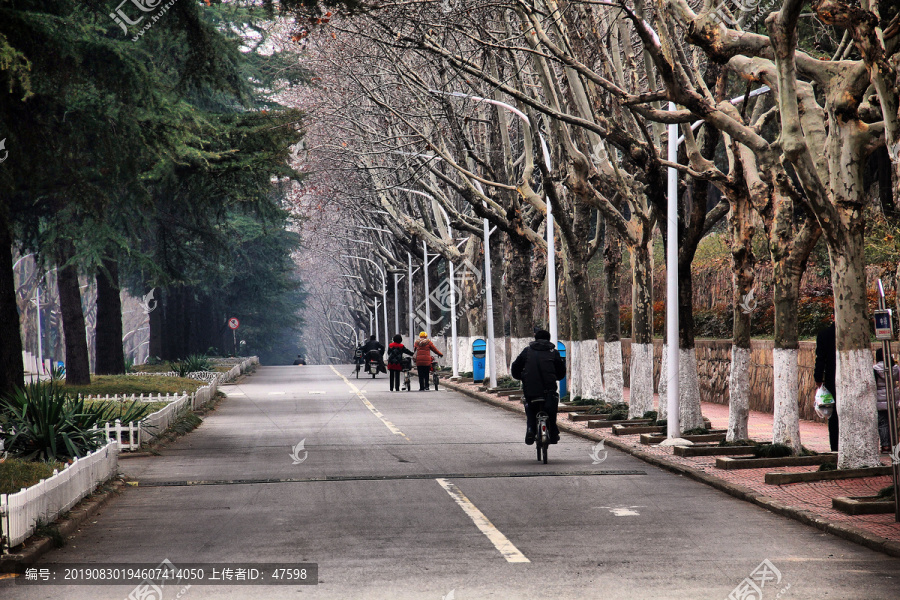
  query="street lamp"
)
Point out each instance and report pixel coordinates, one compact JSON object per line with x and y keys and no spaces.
{"x":455,"y":346}
{"x":383,"y":289}
{"x":673,"y":399}
{"x":551,"y":250}
{"x":488,"y":293}
{"x":673,"y":424}
{"x":355,"y":334}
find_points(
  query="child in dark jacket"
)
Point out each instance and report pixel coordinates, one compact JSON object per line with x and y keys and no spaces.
{"x":396,"y":350}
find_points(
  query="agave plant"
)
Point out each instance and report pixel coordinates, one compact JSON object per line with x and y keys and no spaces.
{"x":197,"y":362}
{"x":191,"y":364}
{"x":42,"y":422}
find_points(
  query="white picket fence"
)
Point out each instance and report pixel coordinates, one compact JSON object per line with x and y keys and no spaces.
{"x":51,"y":497}
{"x":131,"y":398}
{"x":131,"y":435}
{"x":46,"y":500}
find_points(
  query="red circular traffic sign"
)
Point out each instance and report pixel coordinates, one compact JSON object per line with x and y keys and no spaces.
{"x":233,"y":323}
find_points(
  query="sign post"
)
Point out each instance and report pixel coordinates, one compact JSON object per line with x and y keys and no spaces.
{"x":884,"y":331}
{"x":233,"y":324}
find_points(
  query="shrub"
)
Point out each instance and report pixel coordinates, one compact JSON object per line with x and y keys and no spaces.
{"x":772,"y":451}
{"x":696,"y":431}
{"x":42,"y":422}
{"x":618,"y":414}
{"x":650,"y":414}
{"x":579,"y":401}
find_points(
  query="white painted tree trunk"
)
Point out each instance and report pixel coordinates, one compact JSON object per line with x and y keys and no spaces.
{"x":786,"y":424}
{"x":613,"y":376}
{"x":689,"y":390}
{"x":591,"y":373}
{"x":465,"y":353}
{"x":663,"y":387}
{"x":500,"y":350}
{"x":573,"y":365}
{"x":641,"y":380}
{"x":858,"y":438}
{"x":739,"y":395}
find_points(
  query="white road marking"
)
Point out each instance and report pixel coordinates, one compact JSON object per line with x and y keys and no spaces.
{"x":622,"y":511}
{"x":229,"y":394}
{"x":372,"y":409}
{"x":276,"y":393}
{"x":317,"y":392}
{"x":500,"y":541}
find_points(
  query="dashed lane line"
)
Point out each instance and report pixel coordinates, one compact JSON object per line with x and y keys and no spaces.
{"x":500,"y":541}
{"x":393,"y":428}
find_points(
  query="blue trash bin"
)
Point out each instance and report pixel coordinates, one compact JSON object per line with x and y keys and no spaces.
{"x":562,"y":382}
{"x":479,"y":351}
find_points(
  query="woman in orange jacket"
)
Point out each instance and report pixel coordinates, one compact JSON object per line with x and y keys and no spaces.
{"x":424,"y":348}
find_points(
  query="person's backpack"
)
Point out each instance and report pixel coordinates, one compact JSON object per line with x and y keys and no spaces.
{"x":395,"y":356}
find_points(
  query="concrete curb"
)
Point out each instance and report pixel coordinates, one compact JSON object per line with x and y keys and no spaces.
{"x":37,"y":547}
{"x":847,"y":532}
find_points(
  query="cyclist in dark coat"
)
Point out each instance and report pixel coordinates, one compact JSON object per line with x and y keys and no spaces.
{"x":539,"y":367}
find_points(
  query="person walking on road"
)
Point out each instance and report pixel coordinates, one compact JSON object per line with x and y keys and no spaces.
{"x":539,"y":367}
{"x":881,"y":397}
{"x":396,"y":350}
{"x":424,"y":348}
{"x":825,"y":372}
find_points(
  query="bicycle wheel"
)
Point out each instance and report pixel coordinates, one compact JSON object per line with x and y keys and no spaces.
{"x":538,"y":446}
{"x":545,"y":442}
{"x":357,"y":370}
{"x":436,"y":378}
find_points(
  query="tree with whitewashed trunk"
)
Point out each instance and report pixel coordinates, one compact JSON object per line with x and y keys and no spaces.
{"x":832,"y":116}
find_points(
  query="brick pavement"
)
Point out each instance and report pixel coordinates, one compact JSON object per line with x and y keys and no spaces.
{"x":808,"y":502}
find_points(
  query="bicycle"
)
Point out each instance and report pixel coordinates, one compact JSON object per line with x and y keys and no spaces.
{"x":542,"y":437}
{"x":357,"y":358}
{"x":435,"y":375}
{"x":407,"y":368}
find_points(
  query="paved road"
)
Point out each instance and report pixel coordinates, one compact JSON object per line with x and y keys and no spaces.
{"x":409,"y":495}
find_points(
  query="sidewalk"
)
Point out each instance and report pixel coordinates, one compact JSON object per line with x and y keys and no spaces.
{"x":809,"y":502}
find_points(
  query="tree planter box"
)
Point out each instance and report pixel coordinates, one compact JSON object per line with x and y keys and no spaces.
{"x":714,"y":450}
{"x":646,"y":427}
{"x":577,"y":416}
{"x":784,"y":478}
{"x":862,"y":505}
{"x":765,"y":463}
{"x":464,"y":380}
{"x":717,"y":435}
{"x":569,"y":409}
{"x":601,"y":423}
{"x":508,"y":391}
